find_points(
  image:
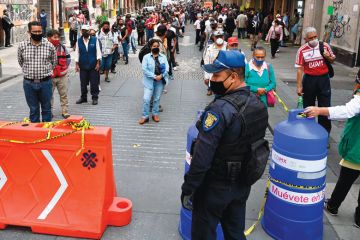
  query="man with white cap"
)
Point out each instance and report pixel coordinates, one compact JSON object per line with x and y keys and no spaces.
{"x":87,"y":60}
{"x":230,"y":140}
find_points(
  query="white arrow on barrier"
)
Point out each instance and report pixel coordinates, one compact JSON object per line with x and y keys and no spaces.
{"x":60,"y":191}
{"x":3,"y":178}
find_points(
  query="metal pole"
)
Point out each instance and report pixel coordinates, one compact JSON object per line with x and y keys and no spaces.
{"x":61,"y":25}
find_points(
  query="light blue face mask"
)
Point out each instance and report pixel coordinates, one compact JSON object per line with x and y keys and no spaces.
{"x":258,"y":62}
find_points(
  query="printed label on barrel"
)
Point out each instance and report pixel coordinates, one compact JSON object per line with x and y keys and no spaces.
{"x":295,"y":197}
{"x":298,"y":164}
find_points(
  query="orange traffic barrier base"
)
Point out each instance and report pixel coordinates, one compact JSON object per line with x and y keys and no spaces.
{"x":57,"y":178}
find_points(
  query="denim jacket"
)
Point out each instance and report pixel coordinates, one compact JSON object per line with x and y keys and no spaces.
{"x":148,"y":66}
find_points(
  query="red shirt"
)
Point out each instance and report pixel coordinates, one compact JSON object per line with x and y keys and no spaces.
{"x":149,"y":23}
{"x":311,"y":59}
{"x":128,"y":27}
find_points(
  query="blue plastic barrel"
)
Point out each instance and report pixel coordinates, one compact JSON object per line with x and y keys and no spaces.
{"x":186,"y":215}
{"x":294,"y":206}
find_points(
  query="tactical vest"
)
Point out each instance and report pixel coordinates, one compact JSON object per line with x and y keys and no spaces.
{"x":87,"y":58}
{"x":231,"y":159}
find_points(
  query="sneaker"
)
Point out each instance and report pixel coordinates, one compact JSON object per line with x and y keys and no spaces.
{"x":143,"y":120}
{"x":107,"y":79}
{"x":65,"y":115}
{"x":331,"y":211}
{"x":99,"y":88}
{"x":277,"y":51}
{"x":80,"y":101}
{"x":164,"y":91}
{"x":175,"y":68}
{"x":94,"y":102}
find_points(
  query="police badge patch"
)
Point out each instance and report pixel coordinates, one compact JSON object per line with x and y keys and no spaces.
{"x":211,"y":119}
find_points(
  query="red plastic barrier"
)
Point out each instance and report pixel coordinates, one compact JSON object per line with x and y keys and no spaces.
{"x":48,"y":187}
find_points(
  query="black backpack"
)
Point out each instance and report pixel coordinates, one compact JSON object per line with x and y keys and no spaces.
{"x":145,"y":50}
{"x":328,"y":64}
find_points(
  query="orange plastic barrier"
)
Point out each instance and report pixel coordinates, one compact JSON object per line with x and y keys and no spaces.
{"x":47,"y":184}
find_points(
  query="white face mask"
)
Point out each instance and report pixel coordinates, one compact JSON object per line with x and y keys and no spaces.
{"x":314,"y":43}
{"x":219,"y":41}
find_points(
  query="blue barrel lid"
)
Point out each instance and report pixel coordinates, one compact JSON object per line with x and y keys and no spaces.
{"x":300,"y":137}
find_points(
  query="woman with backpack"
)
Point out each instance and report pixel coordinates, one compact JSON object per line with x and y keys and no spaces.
{"x":155,"y":68}
{"x":275,"y":36}
{"x":259,"y":75}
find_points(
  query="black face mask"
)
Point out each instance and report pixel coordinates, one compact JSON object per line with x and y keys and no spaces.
{"x":86,"y":34}
{"x":106,"y":30}
{"x":155,"y":50}
{"x":218,"y":87}
{"x":36,"y":37}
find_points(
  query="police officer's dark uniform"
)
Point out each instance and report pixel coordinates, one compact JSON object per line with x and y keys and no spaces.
{"x":215,"y":179}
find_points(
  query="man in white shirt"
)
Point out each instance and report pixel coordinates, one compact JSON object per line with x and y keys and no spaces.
{"x":87,"y":61}
{"x":241,"y":21}
{"x":198,"y":29}
{"x":223,"y":16}
{"x":109,"y":41}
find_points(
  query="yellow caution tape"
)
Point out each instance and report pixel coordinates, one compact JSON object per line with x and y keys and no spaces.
{"x":261,"y":212}
{"x":281,"y":102}
{"x":296,"y":186}
{"x":76,"y":126}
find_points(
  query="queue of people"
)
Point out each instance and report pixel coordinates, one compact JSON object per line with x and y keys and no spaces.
{"x":240,"y":87}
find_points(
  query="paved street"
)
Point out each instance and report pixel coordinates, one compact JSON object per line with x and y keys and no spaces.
{"x":149,"y":160}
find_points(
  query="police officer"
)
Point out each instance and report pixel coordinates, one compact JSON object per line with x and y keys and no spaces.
{"x":215,"y":183}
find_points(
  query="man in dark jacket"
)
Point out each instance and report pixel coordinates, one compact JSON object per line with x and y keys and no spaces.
{"x":7,"y":25}
{"x":216,"y":182}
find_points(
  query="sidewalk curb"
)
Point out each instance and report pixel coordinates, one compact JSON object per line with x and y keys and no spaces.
{"x":5,"y":79}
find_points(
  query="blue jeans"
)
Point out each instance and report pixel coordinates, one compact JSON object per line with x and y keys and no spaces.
{"x":133,"y":44}
{"x":125,"y":46}
{"x":154,"y":93}
{"x":38,"y":95}
{"x":149,"y":34}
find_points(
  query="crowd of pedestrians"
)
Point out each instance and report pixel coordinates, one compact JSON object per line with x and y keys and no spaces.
{"x":45,"y":63}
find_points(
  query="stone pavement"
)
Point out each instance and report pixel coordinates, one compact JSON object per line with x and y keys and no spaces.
{"x":149,"y":160}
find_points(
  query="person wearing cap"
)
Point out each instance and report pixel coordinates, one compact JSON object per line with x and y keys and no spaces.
{"x":233,"y":121}
{"x":87,"y":62}
{"x":211,"y":53}
{"x":349,"y":149}
{"x":233,"y":44}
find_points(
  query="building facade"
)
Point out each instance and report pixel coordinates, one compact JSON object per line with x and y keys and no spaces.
{"x":21,"y":13}
{"x":344,"y":16}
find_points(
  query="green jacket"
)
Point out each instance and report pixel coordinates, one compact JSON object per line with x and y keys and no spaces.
{"x":349,"y":147}
{"x":267,"y":80}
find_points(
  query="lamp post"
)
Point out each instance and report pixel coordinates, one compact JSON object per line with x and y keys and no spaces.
{"x":61,"y":25}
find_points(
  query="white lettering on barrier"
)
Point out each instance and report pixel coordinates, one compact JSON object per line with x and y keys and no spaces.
{"x":295,"y":197}
{"x":298,"y":164}
{"x":188,"y":157}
